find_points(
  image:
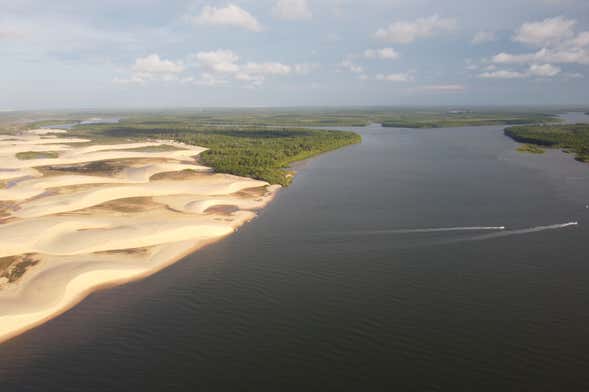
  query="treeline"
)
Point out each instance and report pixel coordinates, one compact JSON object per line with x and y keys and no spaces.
{"x":262,"y":153}
{"x":447,"y":120}
{"x":332,"y":117}
{"x":570,"y":137}
{"x":265,"y":155}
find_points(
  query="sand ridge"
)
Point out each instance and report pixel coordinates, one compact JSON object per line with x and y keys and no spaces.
{"x":87,"y":231}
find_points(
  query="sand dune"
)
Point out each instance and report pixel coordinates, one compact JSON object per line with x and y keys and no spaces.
{"x":46,"y":131}
{"x":66,"y":232}
{"x":30,"y":188}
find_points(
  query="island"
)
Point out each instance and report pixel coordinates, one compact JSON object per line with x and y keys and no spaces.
{"x":568,"y":137}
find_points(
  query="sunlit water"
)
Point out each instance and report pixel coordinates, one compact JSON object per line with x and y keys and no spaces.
{"x":420,"y":259}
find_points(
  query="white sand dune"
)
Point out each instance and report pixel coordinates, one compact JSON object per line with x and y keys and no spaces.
{"x":38,"y":140}
{"x":74,"y":233}
{"x":46,"y":131}
{"x":97,"y":156}
{"x":8,"y":174}
{"x":30,"y":188}
{"x":207,"y":186}
{"x":80,"y":234}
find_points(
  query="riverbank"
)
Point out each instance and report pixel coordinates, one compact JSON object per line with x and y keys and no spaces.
{"x":89,"y":216}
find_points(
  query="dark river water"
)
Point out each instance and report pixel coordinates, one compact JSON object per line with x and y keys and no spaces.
{"x":346,"y":283}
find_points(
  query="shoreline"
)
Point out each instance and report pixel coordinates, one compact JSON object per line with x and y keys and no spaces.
{"x":79,"y":297}
{"x":108,"y":228}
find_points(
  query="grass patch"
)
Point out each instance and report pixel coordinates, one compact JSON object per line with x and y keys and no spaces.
{"x":36,"y":155}
{"x":14,"y":267}
{"x":160,"y":148}
{"x":6,"y":262}
{"x":104,"y":168}
{"x":530,"y":148}
{"x":569,"y":137}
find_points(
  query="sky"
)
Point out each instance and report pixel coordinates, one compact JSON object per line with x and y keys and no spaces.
{"x":252,"y":53}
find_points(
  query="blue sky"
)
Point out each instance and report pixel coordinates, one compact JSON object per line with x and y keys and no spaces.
{"x":150,"y":53}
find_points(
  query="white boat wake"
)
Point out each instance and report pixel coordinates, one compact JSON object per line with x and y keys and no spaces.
{"x":529,"y":230}
{"x":428,"y":230}
{"x":499,"y":231}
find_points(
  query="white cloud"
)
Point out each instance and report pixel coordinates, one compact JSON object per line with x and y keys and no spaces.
{"x":62,"y":35}
{"x":442,"y":88}
{"x":406,"y":32}
{"x":208,"y":79}
{"x":502,"y":74}
{"x":292,"y":10}
{"x":218,"y":61}
{"x":559,"y":44}
{"x":255,"y":73}
{"x":507,"y":58}
{"x":153,"y":64}
{"x":537,"y":70}
{"x":543,"y":70}
{"x":350,"y":66}
{"x":152,"y":67}
{"x":470,"y":65}
{"x":573,"y":75}
{"x":550,"y":31}
{"x":384,"y":53}
{"x":582,"y":39}
{"x":305,"y":68}
{"x":395,"y":77}
{"x":544,"y":55}
{"x":483,"y":37}
{"x":223,"y":65}
{"x":268,"y":68}
{"x":231,"y":15}
{"x":217,"y":67}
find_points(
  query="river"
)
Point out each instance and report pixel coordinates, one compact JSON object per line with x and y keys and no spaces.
{"x":423,"y":259}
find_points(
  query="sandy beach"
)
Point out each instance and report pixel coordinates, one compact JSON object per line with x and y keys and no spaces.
{"x":77,"y":216}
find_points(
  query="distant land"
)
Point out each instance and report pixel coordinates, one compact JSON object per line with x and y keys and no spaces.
{"x":568,"y":137}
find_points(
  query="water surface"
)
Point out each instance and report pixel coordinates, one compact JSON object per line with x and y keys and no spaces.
{"x":341,"y":284}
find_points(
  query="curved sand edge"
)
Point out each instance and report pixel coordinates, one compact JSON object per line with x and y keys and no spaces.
{"x":79,"y":288}
{"x":90,"y":282}
{"x":93,"y":235}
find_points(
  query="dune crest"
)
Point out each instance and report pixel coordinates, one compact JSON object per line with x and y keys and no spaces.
{"x":77,"y":216}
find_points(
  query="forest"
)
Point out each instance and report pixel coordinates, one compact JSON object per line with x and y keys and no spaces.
{"x":569,"y":137}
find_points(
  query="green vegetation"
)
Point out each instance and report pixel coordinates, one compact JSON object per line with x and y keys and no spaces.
{"x":293,"y":117}
{"x":258,"y":152}
{"x":261,"y":143}
{"x":461,"y":119}
{"x":102,"y":167}
{"x":266,"y":154}
{"x":530,"y":148}
{"x":36,"y":155}
{"x":320,"y":117}
{"x":570,"y":137}
{"x":160,"y":148}
{"x":351,"y":117}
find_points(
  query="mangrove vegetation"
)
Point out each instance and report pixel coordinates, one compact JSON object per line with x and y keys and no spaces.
{"x":569,"y":137}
